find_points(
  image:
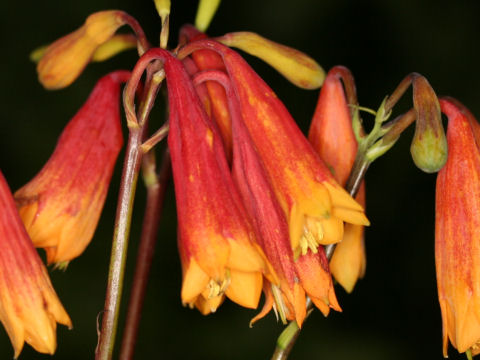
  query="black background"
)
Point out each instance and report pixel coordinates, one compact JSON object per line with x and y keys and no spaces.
{"x":393,"y":313}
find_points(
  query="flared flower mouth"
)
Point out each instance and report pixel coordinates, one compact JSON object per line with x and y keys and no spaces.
{"x":319,"y":220}
{"x":29,"y":306}
{"x":314,"y":204}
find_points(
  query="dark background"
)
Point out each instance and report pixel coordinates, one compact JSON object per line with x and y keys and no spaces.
{"x":393,"y":313}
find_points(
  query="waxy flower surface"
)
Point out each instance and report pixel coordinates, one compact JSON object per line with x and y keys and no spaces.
{"x":314,"y":204}
{"x":61,"y":205}
{"x":216,"y":239}
{"x":211,"y":93}
{"x":293,"y":280}
{"x":457,"y":231}
{"x":331,"y":135}
{"x":29,"y":306}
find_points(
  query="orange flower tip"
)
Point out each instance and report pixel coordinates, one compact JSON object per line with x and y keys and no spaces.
{"x":244,"y":288}
{"x":297,"y":67}
{"x":64,"y":60}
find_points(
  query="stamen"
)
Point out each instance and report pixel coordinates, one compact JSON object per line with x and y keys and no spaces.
{"x":216,"y":288}
{"x":309,"y":239}
{"x":279,"y":305}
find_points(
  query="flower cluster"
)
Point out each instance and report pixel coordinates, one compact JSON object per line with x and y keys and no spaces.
{"x":258,"y":202}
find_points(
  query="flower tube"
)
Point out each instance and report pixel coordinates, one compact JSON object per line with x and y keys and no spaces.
{"x":457,"y":231}
{"x":29,"y":306}
{"x":294,"y":279}
{"x":61,"y":205}
{"x":314,"y":204}
{"x":216,"y":238}
{"x":331,"y":135}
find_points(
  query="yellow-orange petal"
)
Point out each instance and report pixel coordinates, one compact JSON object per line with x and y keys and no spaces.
{"x":194,"y":282}
{"x":208,"y":306}
{"x":348,"y":262}
{"x":245,"y":288}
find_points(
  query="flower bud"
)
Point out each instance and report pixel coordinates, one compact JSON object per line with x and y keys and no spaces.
{"x":205,"y":12}
{"x":429,"y":144}
{"x":297,"y":67}
{"x":66,"y":58}
{"x":115,"y":45}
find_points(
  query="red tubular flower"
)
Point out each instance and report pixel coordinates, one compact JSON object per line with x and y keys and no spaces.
{"x":314,"y":204}
{"x":61,"y":205}
{"x":29,"y":306}
{"x":309,"y":275}
{"x":214,"y":98}
{"x":216,"y":238}
{"x":331,"y":135}
{"x":457,"y":231}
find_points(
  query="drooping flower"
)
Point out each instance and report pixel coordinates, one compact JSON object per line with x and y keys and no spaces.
{"x":61,"y":205}
{"x":216,"y":239}
{"x":331,"y":135}
{"x":457,"y":231}
{"x":29,"y":306}
{"x":294,"y":280}
{"x":64,"y":60}
{"x":211,"y":93}
{"x":314,"y":204}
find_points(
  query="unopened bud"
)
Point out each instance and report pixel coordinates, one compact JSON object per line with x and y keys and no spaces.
{"x":429,"y":145}
{"x":205,"y":12}
{"x":115,"y":45}
{"x":297,"y":67}
{"x":66,"y":58}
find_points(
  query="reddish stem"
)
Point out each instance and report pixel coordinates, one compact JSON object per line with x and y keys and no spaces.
{"x":146,"y":249}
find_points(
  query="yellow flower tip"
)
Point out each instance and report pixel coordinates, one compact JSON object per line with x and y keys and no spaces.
{"x":348,"y":262}
{"x":345,"y":207}
{"x":163,"y":8}
{"x":205,"y":12}
{"x":297,"y":67}
{"x":195,"y":280}
{"x":117,"y":44}
{"x":64,"y":60}
{"x":208,"y":306}
{"x":245,"y":288}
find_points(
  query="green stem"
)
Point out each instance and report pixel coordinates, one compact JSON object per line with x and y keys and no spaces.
{"x":131,"y":168}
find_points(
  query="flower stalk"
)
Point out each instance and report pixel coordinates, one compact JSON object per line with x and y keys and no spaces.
{"x":132,"y":164}
{"x":156,"y":185}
